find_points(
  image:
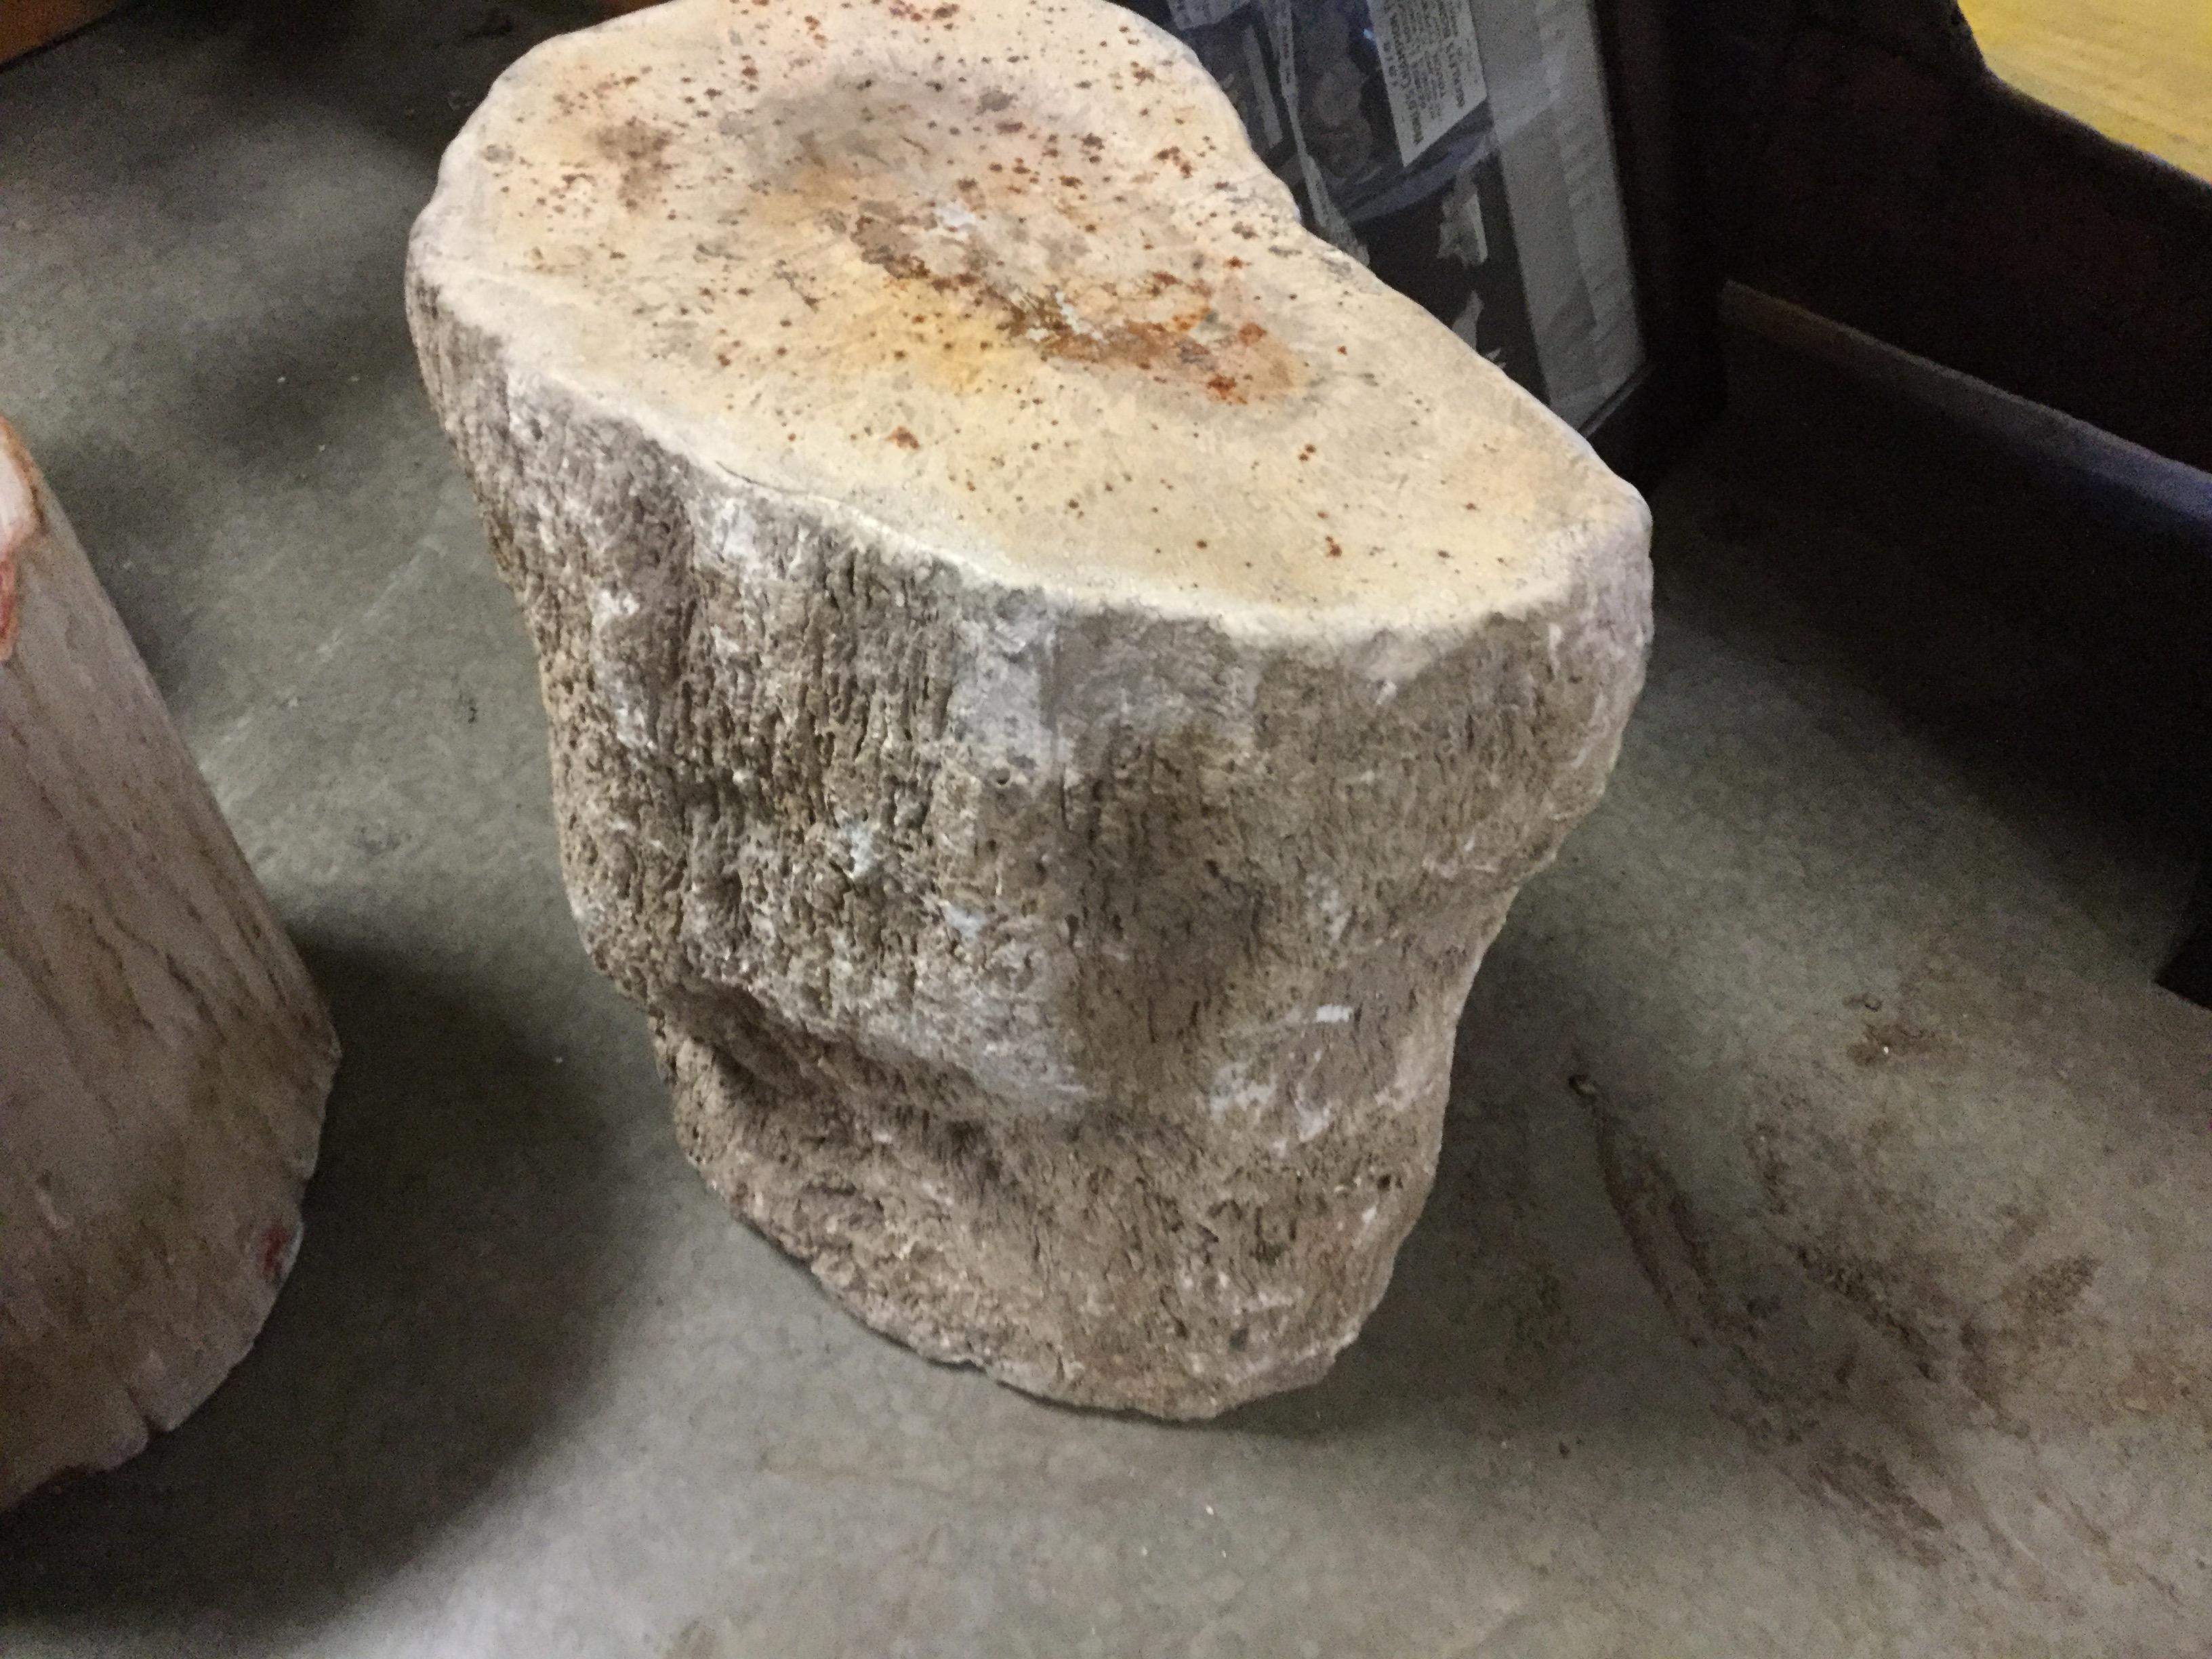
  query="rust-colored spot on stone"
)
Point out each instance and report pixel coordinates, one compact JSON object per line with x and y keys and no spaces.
{"x":1169,"y":326}
{"x":904,"y":439}
{"x":273,"y":1251}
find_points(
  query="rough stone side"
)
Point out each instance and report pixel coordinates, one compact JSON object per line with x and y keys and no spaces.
{"x":1073,"y":988}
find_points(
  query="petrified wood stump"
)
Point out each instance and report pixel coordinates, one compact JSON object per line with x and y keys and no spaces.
{"x":1055,"y":674}
{"x":163,"y":1057}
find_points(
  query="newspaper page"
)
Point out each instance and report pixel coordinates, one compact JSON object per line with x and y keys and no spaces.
{"x":1431,"y":68}
{"x":1460,"y":149}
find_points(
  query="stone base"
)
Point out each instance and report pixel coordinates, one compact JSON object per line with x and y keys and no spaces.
{"x":1046,"y":713}
{"x":1096,"y":1262}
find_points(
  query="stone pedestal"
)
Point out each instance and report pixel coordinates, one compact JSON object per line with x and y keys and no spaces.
{"x":1055,"y":674}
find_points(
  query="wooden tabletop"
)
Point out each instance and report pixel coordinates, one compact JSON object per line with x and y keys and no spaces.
{"x":2137,"y":70}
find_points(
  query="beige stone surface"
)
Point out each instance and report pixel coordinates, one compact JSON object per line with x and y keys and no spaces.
{"x":163,"y":1056}
{"x":1055,"y":674}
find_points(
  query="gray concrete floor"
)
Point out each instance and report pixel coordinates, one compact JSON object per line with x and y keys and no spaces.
{"x":1819,"y":1262}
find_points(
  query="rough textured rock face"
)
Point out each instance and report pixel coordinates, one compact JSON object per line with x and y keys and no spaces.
{"x":1055,"y":674}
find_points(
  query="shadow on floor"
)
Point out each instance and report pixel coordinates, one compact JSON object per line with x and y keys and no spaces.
{"x":450,"y":1302}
